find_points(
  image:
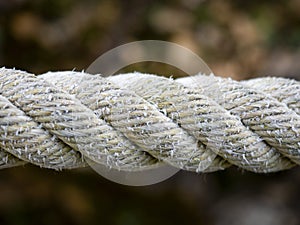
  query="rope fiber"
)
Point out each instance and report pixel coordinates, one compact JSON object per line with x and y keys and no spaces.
{"x":136,"y":121}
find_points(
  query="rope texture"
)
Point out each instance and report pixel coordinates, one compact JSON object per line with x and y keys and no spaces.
{"x":137,"y":121}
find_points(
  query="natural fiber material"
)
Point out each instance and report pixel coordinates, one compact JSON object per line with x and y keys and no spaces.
{"x":137,"y":121}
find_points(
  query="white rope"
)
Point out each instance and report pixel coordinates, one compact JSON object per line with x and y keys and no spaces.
{"x":136,"y":121}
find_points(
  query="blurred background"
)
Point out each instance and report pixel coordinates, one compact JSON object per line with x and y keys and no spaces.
{"x":238,"y":39}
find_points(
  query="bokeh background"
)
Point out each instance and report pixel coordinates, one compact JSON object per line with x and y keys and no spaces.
{"x":239,"y":39}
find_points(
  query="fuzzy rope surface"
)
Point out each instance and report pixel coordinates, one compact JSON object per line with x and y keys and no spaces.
{"x":138,"y":121}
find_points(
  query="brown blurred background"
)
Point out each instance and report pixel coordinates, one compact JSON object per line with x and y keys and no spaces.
{"x":238,"y":39}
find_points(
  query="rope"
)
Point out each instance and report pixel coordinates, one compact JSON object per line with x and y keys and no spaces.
{"x":137,"y":121}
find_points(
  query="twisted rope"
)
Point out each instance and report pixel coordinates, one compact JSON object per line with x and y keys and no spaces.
{"x":137,"y":121}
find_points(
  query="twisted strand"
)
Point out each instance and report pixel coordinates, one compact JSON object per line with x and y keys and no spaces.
{"x":138,"y":121}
